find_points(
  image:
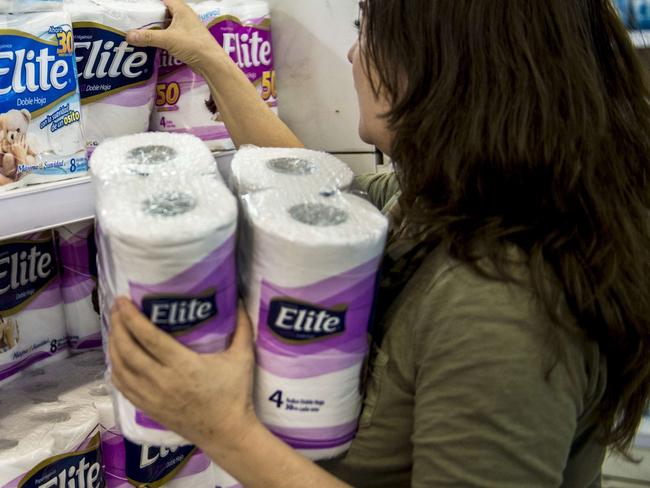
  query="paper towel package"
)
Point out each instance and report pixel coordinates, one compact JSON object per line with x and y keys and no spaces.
{"x":138,"y":156}
{"x":184,"y":102}
{"x":40,"y":130}
{"x":50,"y":446}
{"x":309,"y":267}
{"x":255,"y":168}
{"x":169,"y":245}
{"x":32,"y":322}
{"x":78,"y":255}
{"x":117,"y":81}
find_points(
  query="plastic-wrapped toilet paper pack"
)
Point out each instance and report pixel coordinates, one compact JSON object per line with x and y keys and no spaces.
{"x":184,"y":103}
{"x":169,"y":245}
{"x":50,"y":446}
{"x":41,"y":138}
{"x":32,"y":323}
{"x":309,"y":269}
{"x":26,"y":6}
{"x":117,"y":81}
{"x":139,"y":156}
{"x":256,"y":168}
{"x":78,"y":257}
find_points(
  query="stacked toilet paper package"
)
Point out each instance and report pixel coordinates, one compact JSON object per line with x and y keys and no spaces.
{"x":184,"y":102}
{"x":166,"y":227}
{"x":309,"y":257}
{"x":78,"y":256}
{"x":117,"y":81}
{"x":41,"y":138}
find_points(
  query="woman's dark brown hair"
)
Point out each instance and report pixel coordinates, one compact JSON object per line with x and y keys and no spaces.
{"x":527,"y":122}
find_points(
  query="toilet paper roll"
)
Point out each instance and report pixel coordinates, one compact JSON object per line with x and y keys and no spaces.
{"x":32,"y":324}
{"x":136,"y":157}
{"x":117,"y":81}
{"x":78,"y":256}
{"x":170,"y":246}
{"x":38,"y":444}
{"x":184,"y":102}
{"x":41,"y":138}
{"x":255,"y":169}
{"x":309,"y":269}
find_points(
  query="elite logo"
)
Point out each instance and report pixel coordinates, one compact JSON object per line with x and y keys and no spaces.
{"x":303,"y":322}
{"x":106,"y":63}
{"x":154,"y":466}
{"x":178,"y":314}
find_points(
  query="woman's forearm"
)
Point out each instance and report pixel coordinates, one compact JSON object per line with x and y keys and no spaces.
{"x":257,"y":459}
{"x":248,"y":118}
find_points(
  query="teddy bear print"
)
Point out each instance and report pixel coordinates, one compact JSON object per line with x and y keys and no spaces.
{"x":8,"y":334}
{"x":14,"y":148}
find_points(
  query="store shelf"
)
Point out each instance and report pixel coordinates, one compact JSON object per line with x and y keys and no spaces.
{"x":45,"y":206}
{"x":41,"y":207}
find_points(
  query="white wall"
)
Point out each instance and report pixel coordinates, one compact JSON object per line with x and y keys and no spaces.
{"x":316,"y":95}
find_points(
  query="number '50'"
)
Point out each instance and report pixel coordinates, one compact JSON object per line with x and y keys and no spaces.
{"x":66,"y":43}
{"x":268,"y":85}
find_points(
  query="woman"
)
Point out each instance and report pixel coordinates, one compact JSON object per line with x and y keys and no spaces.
{"x":513,"y":334}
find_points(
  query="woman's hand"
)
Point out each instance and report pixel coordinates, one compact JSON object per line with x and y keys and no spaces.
{"x":186,"y":38}
{"x":200,"y":397}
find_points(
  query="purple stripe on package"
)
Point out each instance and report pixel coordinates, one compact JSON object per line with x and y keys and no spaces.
{"x":198,"y":307}
{"x":328,"y":318}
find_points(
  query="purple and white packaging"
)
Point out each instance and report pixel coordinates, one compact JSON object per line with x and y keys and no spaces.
{"x":32,"y":323}
{"x":78,"y":257}
{"x":183,"y":100}
{"x":117,"y":81}
{"x":168,"y":243}
{"x":309,"y":266}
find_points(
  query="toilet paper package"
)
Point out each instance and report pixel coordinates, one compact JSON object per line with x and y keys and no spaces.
{"x":78,"y":257}
{"x":184,"y":102}
{"x":50,"y":446}
{"x":117,"y":81}
{"x":40,"y":130}
{"x":254,"y":168}
{"x":127,"y":464}
{"x":309,"y":269}
{"x":136,"y":157}
{"x":25,"y":6}
{"x":169,"y":245}
{"x":32,"y":323}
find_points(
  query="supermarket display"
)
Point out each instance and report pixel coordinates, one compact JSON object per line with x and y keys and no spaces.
{"x":308,"y":268}
{"x":184,"y":102}
{"x":41,"y":138}
{"x":117,"y":81}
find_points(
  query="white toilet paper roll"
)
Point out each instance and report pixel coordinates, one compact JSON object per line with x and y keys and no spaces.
{"x":39,"y":443}
{"x":117,"y":81}
{"x":184,"y":102}
{"x":78,"y":256}
{"x":309,"y":270}
{"x":255,"y":169}
{"x":172,"y":156}
{"x":32,"y":324}
{"x":170,"y":246}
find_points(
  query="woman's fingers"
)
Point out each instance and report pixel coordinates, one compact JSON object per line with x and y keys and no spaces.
{"x":161,"y":346}
{"x":177,"y":6}
{"x":127,"y":350}
{"x":148,"y":38}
